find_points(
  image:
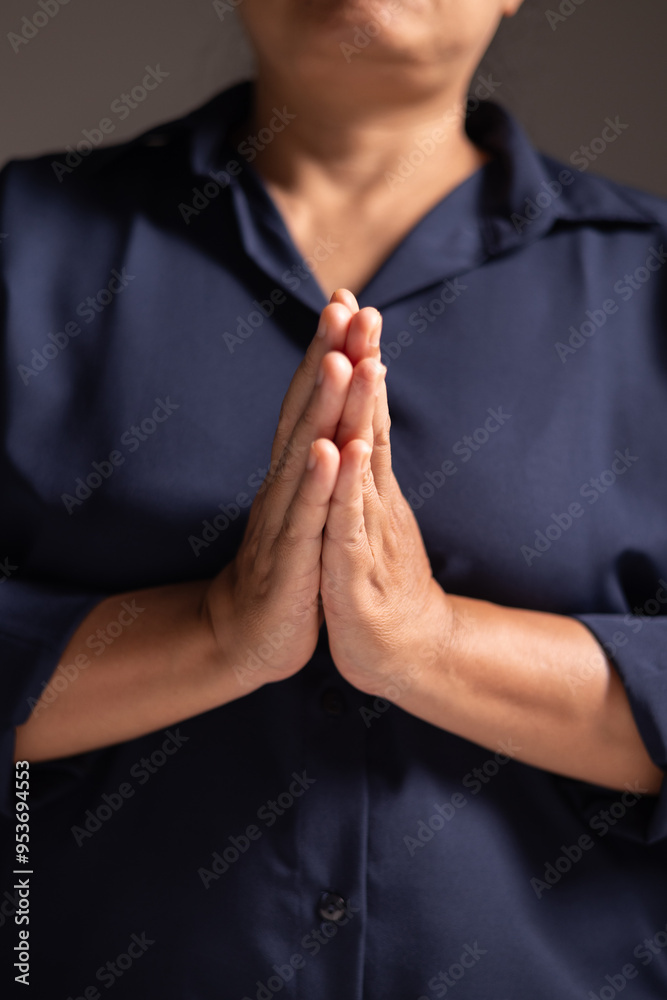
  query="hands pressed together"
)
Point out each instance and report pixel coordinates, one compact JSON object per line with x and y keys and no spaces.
{"x":331,"y":538}
{"x":330,"y":520}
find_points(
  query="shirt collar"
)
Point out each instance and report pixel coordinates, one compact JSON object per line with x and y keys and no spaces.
{"x":515,"y":199}
{"x":526,"y":193}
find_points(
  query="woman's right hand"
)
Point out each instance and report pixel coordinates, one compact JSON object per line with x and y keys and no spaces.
{"x":264,"y":607}
{"x":197,"y":645}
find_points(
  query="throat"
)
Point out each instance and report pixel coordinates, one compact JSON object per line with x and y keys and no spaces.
{"x":346,"y":244}
{"x":343,"y":259}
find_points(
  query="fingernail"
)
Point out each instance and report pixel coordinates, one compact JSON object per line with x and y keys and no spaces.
{"x":320,"y":376}
{"x":312,"y":459}
{"x":322,"y":328}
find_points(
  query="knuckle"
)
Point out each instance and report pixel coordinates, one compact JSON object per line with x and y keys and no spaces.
{"x":368,"y":484}
{"x":290,"y":533}
{"x":353,"y":543}
{"x":383,"y":435}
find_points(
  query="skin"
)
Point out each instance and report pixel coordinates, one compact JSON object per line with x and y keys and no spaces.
{"x":356,"y":117}
{"x":330,"y":536}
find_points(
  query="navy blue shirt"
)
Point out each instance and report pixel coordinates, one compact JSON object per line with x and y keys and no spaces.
{"x":308,"y":840}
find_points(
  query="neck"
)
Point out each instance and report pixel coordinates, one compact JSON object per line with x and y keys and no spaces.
{"x":356,"y":141}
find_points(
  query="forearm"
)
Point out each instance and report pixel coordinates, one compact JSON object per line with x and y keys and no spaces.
{"x":541,"y":680}
{"x":164,"y":666}
{"x":196,"y":646}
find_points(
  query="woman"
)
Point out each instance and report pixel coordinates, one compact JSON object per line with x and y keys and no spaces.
{"x":420,"y":676}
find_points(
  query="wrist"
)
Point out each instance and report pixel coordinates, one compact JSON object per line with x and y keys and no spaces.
{"x":218,"y":626}
{"x":426,"y":648}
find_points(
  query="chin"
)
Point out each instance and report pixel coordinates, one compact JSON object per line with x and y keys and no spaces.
{"x":376,"y":27}
{"x":350,"y":14}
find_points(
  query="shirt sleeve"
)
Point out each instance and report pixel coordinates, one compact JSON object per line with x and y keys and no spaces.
{"x":637,"y":646}
{"x":36,"y":623}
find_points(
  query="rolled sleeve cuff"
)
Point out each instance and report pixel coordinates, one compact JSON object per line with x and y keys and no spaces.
{"x":638,"y":649}
{"x":36,"y":623}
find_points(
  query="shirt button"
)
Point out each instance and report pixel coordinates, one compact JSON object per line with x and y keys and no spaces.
{"x":332,"y":702}
{"x":331,"y":906}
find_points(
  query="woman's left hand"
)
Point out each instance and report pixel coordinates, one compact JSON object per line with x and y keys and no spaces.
{"x":387,"y":618}
{"x":497,"y":676}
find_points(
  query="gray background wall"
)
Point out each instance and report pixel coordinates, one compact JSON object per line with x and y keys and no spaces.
{"x":605,"y":59}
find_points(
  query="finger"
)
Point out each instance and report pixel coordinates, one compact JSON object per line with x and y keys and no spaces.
{"x":345,"y":296}
{"x":330,"y":336}
{"x":319,"y":420}
{"x":363,"y":337}
{"x":383,"y":473}
{"x":347,"y":550}
{"x":300,"y":535}
{"x":358,"y":414}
